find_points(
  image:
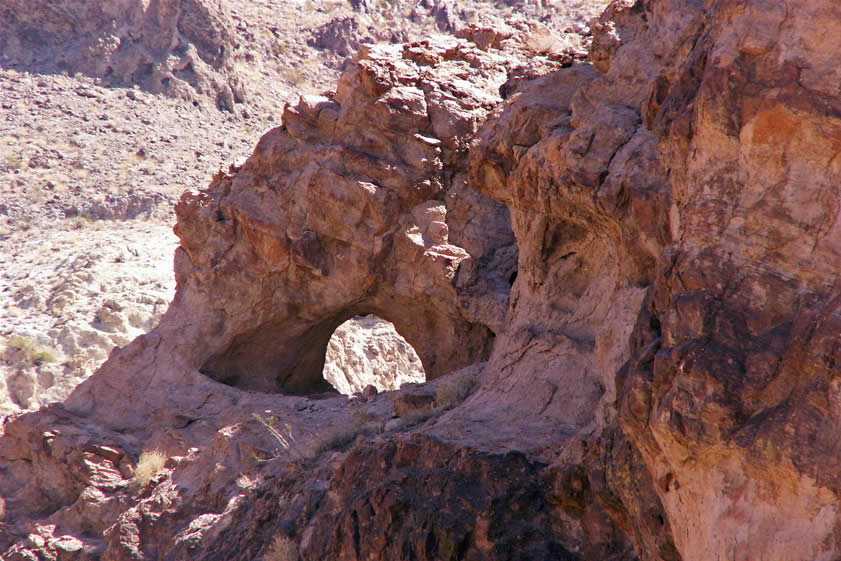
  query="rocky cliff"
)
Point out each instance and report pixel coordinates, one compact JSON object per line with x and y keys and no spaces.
{"x":619,"y":275}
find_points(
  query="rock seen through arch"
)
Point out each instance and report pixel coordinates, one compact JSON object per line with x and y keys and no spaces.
{"x":368,"y":350}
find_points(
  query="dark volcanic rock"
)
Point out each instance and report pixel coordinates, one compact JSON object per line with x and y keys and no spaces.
{"x":411,"y":499}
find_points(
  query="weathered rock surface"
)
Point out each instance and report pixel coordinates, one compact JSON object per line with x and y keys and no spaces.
{"x":63,"y":312}
{"x":347,"y":219}
{"x":638,"y":257}
{"x":732,"y":396}
{"x":367,"y":351}
{"x":178,"y":46}
{"x":85,"y":158}
{"x":473,"y":509}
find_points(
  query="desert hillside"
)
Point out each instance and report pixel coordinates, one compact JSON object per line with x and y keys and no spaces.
{"x":608,"y":233}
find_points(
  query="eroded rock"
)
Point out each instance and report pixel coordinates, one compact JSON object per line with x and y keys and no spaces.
{"x":182,"y":47}
{"x":344,"y":211}
{"x":654,"y":359}
{"x":730,"y":396}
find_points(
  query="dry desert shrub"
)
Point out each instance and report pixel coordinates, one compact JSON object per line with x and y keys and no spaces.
{"x":149,"y":464}
{"x":455,"y":388}
{"x":340,"y":437}
{"x":281,"y":549}
{"x":32,"y":350}
{"x":282,"y":434}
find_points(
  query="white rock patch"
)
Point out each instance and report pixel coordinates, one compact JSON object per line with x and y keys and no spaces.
{"x":367,"y":350}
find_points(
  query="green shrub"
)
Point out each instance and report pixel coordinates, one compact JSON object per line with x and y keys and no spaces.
{"x":32,"y":350}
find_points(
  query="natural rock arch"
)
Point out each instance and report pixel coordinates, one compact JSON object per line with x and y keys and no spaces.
{"x":359,"y":203}
{"x":280,"y":357}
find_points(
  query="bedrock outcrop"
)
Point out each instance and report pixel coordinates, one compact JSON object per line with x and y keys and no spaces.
{"x":732,"y":397}
{"x":181,"y":47}
{"x":632,"y":262}
{"x":344,"y":210}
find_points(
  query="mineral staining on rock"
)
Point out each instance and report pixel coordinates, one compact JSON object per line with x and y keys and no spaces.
{"x":731,"y":397}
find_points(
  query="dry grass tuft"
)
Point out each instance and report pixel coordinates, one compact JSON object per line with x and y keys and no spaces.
{"x":455,"y":388}
{"x":281,"y":549}
{"x":32,"y":350}
{"x":149,"y":464}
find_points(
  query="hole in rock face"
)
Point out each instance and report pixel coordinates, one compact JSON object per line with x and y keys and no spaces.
{"x":336,"y":354}
{"x":368,"y":350}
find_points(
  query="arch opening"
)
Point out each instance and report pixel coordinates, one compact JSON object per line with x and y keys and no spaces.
{"x":368,"y":350}
{"x":342,"y":353}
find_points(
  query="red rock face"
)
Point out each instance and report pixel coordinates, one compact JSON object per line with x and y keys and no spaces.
{"x":343,"y":211}
{"x":731,"y":403}
{"x":658,"y":368}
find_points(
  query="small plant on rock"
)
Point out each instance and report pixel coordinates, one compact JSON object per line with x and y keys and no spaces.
{"x":148,"y":465}
{"x":455,"y":389}
{"x":14,"y":161}
{"x":340,"y":437}
{"x":281,"y":434}
{"x":281,"y":549}
{"x":31,"y":349}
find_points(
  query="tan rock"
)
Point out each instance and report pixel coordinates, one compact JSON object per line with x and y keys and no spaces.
{"x":366,"y":352}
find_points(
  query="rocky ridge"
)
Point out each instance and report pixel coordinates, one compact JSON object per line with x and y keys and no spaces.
{"x":632,"y":261}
